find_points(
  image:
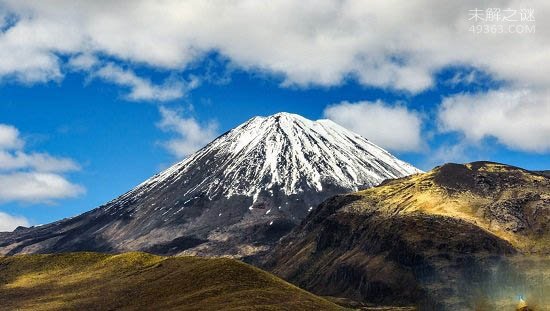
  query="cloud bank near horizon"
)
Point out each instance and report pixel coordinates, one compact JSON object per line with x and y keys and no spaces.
{"x":32,"y":177}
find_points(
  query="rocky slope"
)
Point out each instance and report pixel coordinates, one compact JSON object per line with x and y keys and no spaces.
{"x":236,"y":196}
{"x":138,"y":281}
{"x":450,"y":239}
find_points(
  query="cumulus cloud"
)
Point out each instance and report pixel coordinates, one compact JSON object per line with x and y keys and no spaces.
{"x":517,"y":118}
{"x":381,"y":43}
{"x":190,"y":134}
{"x":32,"y":177}
{"x":41,"y":162}
{"x":9,"y":222}
{"x":83,"y":62}
{"x":140,"y":88}
{"x":143,"y":89}
{"x":393,"y":127}
{"x":36,"y":187}
{"x":455,"y":153}
{"x":9,"y":137}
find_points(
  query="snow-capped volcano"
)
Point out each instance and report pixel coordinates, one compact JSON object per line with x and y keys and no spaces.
{"x":285,"y":152}
{"x":236,"y":196}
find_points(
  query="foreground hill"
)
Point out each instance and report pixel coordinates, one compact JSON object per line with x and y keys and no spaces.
{"x":237,"y":196}
{"x":460,"y":237}
{"x":138,"y":281}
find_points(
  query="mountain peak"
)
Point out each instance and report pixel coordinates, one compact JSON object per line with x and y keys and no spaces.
{"x":287,"y":115}
{"x":294,"y":154}
{"x":237,"y":195}
{"x":282,"y":119}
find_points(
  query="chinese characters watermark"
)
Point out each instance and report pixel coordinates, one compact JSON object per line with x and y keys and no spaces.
{"x":502,"y":21}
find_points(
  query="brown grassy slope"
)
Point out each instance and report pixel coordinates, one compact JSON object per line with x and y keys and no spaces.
{"x":132,"y":281}
{"x":430,"y":239}
{"x":507,"y":201}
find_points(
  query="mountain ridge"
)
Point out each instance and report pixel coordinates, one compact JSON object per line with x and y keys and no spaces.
{"x":236,"y":196}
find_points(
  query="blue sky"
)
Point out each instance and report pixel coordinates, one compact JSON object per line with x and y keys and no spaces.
{"x":87,"y":119}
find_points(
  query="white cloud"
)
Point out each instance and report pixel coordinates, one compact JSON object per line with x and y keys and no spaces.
{"x":140,"y":89}
{"x":460,"y":151}
{"x":41,"y":162}
{"x":463,"y":78}
{"x":456,"y":153}
{"x":143,"y":89}
{"x":393,"y":127}
{"x":190,"y":134}
{"x":32,"y":177}
{"x":9,"y":137}
{"x":517,"y":118}
{"x":382,"y":43}
{"x":9,"y":222}
{"x":36,"y":187}
{"x":83,"y":62}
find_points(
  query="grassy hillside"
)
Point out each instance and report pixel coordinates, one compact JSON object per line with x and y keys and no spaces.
{"x":92,"y":281}
{"x":448,"y":239}
{"x":509,"y":202}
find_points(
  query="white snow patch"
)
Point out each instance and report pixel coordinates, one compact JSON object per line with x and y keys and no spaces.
{"x":284,"y":151}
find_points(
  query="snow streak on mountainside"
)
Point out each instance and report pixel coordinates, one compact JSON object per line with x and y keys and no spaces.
{"x":236,"y":196}
{"x":287,"y":152}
